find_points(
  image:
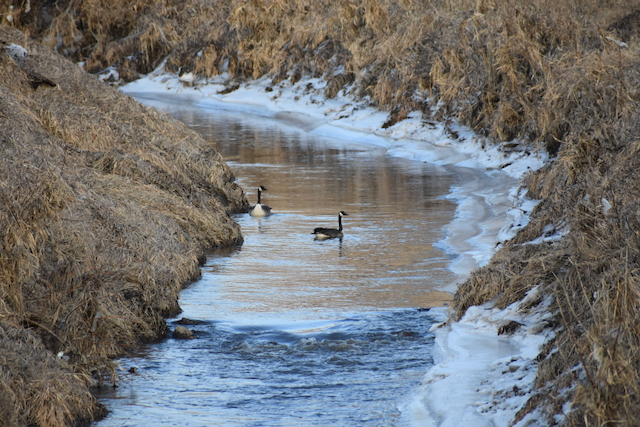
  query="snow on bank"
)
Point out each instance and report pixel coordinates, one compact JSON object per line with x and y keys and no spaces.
{"x":483,"y":200}
{"x":480,"y":378}
{"x":303,"y":104}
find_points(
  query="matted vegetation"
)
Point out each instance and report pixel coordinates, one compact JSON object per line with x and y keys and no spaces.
{"x":563,"y":74}
{"x":106,"y":211}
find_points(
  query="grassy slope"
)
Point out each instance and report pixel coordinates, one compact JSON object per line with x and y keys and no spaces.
{"x":549,"y":72}
{"x":106,"y":210}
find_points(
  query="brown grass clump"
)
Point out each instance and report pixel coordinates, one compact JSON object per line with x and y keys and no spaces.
{"x":37,"y":387}
{"x":563,"y":75}
{"x":106,"y":210}
{"x":510,"y":69}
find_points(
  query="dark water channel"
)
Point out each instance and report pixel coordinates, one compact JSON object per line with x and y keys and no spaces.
{"x":298,"y":332}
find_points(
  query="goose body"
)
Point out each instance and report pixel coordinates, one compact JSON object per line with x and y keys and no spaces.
{"x":260,"y":209}
{"x":330,"y":233}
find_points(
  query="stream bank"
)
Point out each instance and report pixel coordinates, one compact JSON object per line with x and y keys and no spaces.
{"x":107,"y":210}
{"x":560,"y":75}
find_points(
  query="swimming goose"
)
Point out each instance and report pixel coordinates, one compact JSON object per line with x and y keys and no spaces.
{"x":330,"y":233}
{"x":259,"y":209}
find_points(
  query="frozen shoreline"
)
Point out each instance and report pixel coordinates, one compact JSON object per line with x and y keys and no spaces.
{"x":479,"y":378}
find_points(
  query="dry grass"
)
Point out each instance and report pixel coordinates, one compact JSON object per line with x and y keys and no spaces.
{"x":592,"y":190}
{"x":106,"y":210}
{"x":36,"y":387}
{"x":508,"y":69}
{"x":564,"y":74}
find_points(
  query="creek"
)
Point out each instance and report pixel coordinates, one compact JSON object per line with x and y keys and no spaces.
{"x":294,"y":331}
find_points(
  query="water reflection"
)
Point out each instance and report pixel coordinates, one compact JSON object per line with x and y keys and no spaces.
{"x":300,"y":331}
{"x":387,"y":257}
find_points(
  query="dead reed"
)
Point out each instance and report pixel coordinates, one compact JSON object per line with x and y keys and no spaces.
{"x":591,"y":191}
{"x":561,"y":74}
{"x":106,"y":210}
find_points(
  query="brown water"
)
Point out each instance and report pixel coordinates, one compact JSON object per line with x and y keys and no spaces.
{"x":298,"y":331}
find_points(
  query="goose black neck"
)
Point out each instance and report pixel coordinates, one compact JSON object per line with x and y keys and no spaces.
{"x":339,"y":222}
{"x":259,"y":191}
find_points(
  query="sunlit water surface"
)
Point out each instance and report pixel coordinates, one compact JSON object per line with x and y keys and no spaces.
{"x":298,"y":332}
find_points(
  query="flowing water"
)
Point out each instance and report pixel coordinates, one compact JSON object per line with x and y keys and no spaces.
{"x":294,"y":331}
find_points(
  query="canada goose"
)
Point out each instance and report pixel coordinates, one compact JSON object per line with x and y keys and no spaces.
{"x":259,"y":209}
{"x":330,"y":233}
